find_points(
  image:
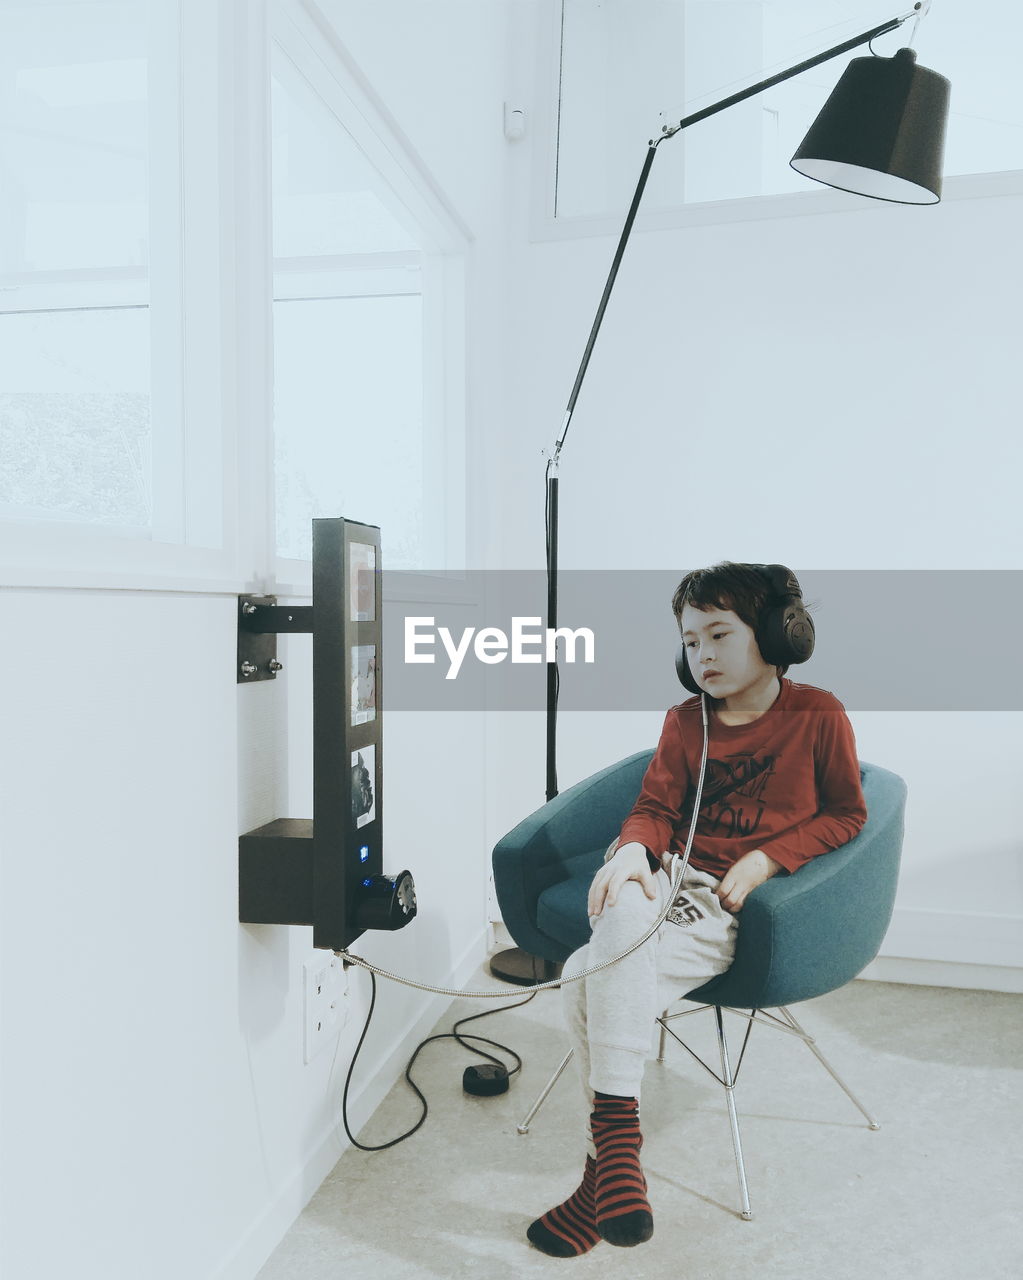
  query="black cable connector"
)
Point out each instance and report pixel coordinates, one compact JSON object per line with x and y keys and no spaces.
{"x":486,"y":1081}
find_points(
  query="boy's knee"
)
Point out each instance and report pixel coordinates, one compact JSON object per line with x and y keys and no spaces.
{"x":626,"y":893}
{"x":631,"y":907}
{"x":632,"y":897}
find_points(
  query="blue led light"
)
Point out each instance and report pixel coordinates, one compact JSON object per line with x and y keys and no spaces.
{"x":364,"y":853}
{"x":366,"y":883}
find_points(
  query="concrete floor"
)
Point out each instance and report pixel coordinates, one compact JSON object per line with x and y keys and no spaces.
{"x":935,"y":1193}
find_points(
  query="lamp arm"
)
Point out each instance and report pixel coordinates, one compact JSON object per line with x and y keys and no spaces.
{"x":865,"y":38}
{"x":669,"y":131}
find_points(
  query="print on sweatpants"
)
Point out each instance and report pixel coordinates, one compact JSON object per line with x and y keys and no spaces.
{"x":684,"y":911}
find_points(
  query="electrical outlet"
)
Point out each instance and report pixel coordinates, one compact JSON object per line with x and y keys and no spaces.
{"x":326,"y":1003}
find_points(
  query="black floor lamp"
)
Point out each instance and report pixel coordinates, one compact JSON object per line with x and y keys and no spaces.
{"x":881,"y":134}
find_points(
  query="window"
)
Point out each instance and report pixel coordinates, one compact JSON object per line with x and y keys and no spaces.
{"x":348,"y":413}
{"x":360,"y":335}
{"x":75,"y":420}
{"x":75,"y":415}
{"x":625,"y":67}
{"x":137,"y":307}
{"x":112,"y":417}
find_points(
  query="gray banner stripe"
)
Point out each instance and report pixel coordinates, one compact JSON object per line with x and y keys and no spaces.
{"x":887,"y":640}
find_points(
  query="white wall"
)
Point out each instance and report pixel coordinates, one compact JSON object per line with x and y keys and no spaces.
{"x":153,"y":1055}
{"x":833,"y":392}
{"x":158,"y":1117}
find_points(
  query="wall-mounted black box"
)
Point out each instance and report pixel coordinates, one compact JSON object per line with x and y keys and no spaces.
{"x":275,"y":881}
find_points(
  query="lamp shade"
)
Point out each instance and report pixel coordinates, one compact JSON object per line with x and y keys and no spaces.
{"x":882,"y":131}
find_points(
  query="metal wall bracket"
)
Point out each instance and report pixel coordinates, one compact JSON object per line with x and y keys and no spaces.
{"x":257,"y":649}
{"x":260,"y":621}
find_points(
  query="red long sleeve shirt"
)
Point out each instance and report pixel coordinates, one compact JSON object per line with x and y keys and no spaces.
{"x":787,"y":783}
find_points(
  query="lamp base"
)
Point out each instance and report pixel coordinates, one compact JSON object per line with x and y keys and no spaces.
{"x":525,"y":970}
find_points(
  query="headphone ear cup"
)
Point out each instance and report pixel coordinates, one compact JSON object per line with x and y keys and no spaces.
{"x":682,"y":669}
{"x":786,"y":633}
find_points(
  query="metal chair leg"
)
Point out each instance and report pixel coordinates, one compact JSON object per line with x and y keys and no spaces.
{"x":728,"y":1081}
{"x":524,"y":1126}
{"x":812,"y":1045}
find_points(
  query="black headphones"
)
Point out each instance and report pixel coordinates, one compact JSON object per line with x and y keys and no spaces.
{"x":784,"y":630}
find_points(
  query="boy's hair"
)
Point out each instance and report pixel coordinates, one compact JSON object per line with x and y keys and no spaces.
{"x":742,"y":589}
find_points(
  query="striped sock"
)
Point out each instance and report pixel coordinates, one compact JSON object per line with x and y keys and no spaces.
{"x":623,"y":1211}
{"x":570,"y":1229}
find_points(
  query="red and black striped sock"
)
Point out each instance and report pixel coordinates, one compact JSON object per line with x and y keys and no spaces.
{"x":623,"y":1211}
{"x":570,"y":1229}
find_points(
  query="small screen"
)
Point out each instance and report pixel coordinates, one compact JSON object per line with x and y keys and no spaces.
{"x":364,"y":801}
{"x":362,"y":579}
{"x":364,"y":683}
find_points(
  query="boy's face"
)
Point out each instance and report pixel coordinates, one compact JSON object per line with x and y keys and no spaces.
{"x":723,"y":653}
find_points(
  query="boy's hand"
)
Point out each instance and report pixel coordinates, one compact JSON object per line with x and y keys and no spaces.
{"x":742,"y":878}
{"x":629,"y":863}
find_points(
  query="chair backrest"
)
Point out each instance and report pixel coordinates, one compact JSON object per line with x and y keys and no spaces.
{"x":805,"y":934}
{"x":561,"y":845}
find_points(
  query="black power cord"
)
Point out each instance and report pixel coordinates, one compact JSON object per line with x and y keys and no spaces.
{"x":486,"y":1080}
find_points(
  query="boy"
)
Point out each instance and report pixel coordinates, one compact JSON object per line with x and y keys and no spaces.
{"x":782,"y":786}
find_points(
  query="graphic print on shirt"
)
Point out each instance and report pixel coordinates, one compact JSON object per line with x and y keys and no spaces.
{"x":733,"y":794}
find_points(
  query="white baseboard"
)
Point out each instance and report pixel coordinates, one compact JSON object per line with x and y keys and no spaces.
{"x":266,"y":1233}
{"x":971,"y":951}
{"x":966,"y":938}
{"x":937,"y":973}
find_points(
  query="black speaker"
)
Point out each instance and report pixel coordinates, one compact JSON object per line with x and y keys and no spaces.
{"x":386,"y":902}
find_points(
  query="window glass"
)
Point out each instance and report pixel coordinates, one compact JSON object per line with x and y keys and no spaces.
{"x":74,"y":416}
{"x":75,"y":141}
{"x":348,"y":414}
{"x":348,"y":336}
{"x":75,"y":428}
{"x":327,"y":196}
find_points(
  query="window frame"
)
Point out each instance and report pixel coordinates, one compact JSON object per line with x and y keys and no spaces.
{"x":306,"y":38}
{"x":181,"y":290}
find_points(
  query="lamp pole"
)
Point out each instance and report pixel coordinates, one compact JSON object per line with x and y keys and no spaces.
{"x":669,"y":131}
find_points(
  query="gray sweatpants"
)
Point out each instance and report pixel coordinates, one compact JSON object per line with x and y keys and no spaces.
{"x":610,"y":1015}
